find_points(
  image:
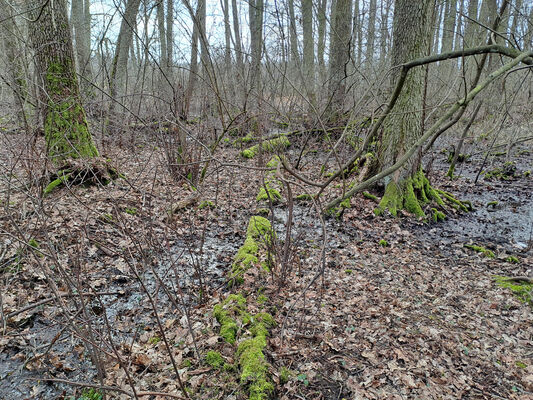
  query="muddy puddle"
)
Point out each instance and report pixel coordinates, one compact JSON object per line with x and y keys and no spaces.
{"x":502,"y":218}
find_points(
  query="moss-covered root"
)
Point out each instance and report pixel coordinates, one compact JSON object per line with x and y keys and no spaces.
{"x":412,"y":194}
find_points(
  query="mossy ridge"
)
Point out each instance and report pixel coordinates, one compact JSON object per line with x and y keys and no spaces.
{"x":258,"y":234}
{"x":231,"y":314}
{"x":268,"y":146}
{"x":252,"y":362}
{"x":522,"y":290}
{"x":412,"y":194}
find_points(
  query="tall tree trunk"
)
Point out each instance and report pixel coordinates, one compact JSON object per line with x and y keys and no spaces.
{"x":66,"y":131}
{"x":193,"y":68}
{"x":170,"y":35}
{"x":448,"y":32}
{"x":339,"y":54}
{"x":384,"y":32}
{"x":404,"y":126}
{"x":356,"y":39}
{"x":439,"y":13}
{"x":309,"y":49}
{"x":237,"y":37}
{"x":256,"y":10}
{"x":459,"y":26}
{"x":81,"y":24}
{"x":293,"y":36}
{"x":321,"y":17}
{"x":371,"y":32}
{"x":120,"y":60}
{"x":227,"y":49}
{"x":471,"y":27}
{"x":160,"y":13}
{"x":15,"y":72}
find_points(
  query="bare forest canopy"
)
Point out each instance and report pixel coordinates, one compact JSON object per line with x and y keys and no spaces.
{"x":262,"y":199}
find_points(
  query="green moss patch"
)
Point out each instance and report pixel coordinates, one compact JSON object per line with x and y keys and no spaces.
{"x":226,"y":313}
{"x":521,"y":289}
{"x":268,"y":194}
{"x":214,"y":359}
{"x":268,"y":146}
{"x":480,"y":249}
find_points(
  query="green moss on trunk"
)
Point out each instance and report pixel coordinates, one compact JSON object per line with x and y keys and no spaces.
{"x":411,"y":194}
{"x":65,"y":128}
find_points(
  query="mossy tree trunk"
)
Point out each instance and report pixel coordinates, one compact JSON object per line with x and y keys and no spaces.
{"x":407,"y":188}
{"x":66,"y":130}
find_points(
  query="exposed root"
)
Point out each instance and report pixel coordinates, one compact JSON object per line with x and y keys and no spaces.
{"x":76,"y":172}
{"x":414,"y":194}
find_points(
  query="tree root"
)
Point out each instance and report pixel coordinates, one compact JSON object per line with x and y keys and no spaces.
{"x":415,"y":193}
{"x":97,"y":171}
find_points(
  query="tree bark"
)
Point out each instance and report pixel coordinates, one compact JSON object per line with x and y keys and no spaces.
{"x":371,"y":32}
{"x":404,"y":126}
{"x":339,"y":54}
{"x":321,"y":18}
{"x":293,"y":36}
{"x":15,"y":73}
{"x":309,"y":49}
{"x":120,"y":60}
{"x":66,"y":130}
{"x":237,"y":37}
{"x":193,"y":68}
{"x":255,"y":9}
{"x":448,"y":32}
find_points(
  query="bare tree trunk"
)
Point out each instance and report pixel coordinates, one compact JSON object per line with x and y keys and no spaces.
{"x":256,"y":10}
{"x":459,"y":26}
{"x":81,"y":23}
{"x":66,"y":130}
{"x":293,"y":36}
{"x":371,"y":32}
{"x":384,"y":33}
{"x":321,"y":17}
{"x":160,"y":12}
{"x":15,"y":73}
{"x":120,"y":60}
{"x":193,"y":68}
{"x":448,"y":32}
{"x":471,"y":27}
{"x":436,"y":35}
{"x":309,"y":49}
{"x":227,"y":49}
{"x":170,"y":35}
{"x":339,"y":54}
{"x":237,"y":37}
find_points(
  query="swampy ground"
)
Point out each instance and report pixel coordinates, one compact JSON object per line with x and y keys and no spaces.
{"x":102,"y":287}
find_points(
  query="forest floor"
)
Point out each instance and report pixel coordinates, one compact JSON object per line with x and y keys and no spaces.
{"x":401,"y":310}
